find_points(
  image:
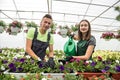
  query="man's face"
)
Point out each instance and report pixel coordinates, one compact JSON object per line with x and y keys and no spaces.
{"x":46,"y":23}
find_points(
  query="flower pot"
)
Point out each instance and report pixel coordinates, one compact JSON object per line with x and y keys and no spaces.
{"x":93,"y":75}
{"x":15,"y":30}
{"x":17,"y":75}
{"x":107,"y":39}
{"x":54,"y":76}
{"x":50,"y":76}
{"x":1,"y":29}
{"x":63,"y":32}
{"x":116,"y":76}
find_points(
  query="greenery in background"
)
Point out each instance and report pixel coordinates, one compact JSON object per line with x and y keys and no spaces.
{"x":53,"y":28}
{"x":2,"y":26}
{"x":2,"y":23}
{"x":31,"y":24}
{"x":108,"y":35}
{"x":118,"y":9}
{"x":107,"y":54}
{"x":16,"y":24}
{"x":74,"y":27}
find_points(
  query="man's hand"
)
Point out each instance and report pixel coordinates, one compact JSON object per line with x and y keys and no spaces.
{"x":51,"y":62}
{"x":43,"y":64}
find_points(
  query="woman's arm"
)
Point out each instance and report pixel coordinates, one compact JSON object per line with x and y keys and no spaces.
{"x":88,"y":53}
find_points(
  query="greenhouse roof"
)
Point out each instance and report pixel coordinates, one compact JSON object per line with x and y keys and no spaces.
{"x":100,"y":13}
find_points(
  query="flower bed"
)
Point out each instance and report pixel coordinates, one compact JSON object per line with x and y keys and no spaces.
{"x":15,"y":62}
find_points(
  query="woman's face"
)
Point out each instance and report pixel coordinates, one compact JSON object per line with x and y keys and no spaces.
{"x":84,"y":27}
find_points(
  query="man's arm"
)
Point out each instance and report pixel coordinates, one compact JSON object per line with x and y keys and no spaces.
{"x":29,"y":50}
{"x":51,"y":52}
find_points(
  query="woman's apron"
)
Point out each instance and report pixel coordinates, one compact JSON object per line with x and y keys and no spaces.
{"x":82,"y":46}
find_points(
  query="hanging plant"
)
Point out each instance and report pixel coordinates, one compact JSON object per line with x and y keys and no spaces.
{"x":53,"y":28}
{"x":74,"y":27}
{"x":29,"y":25}
{"x":118,"y":9}
{"x":14,"y":27}
{"x":63,"y":31}
{"x":2,"y":26}
{"x":118,"y":35}
{"x":108,"y":35}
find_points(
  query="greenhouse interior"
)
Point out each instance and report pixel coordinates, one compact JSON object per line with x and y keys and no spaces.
{"x":101,"y":59}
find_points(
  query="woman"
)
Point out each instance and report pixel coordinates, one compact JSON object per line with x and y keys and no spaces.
{"x":86,"y":42}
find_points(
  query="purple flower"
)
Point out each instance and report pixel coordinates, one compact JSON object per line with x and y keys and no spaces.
{"x":32,"y":61}
{"x":13,"y":69}
{"x":107,"y":68}
{"x":16,"y":59}
{"x":20,"y":69}
{"x":117,"y":68}
{"x":11,"y":65}
{"x":40,"y":65}
{"x":103,"y":70}
{"x":61,"y":67}
{"x":4,"y":61}
{"x":22,"y":60}
{"x":93,"y":63}
{"x":107,"y":62}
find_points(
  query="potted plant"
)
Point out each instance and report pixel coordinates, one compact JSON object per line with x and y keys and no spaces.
{"x":2,"y":26}
{"x":30,"y":25}
{"x":14,"y":27}
{"x":63,"y":31}
{"x":97,"y":67}
{"x":118,"y":35}
{"x":52,"y":28}
{"x":108,"y":35}
{"x":75,"y":28}
{"x":117,"y":8}
{"x":116,"y":74}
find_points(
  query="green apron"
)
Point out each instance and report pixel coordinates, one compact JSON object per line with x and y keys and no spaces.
{"x":82,"y":47}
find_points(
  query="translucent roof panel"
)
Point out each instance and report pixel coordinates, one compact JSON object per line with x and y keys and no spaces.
{"x":100,"y":13}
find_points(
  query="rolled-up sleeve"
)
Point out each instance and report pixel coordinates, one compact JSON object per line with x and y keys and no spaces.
{"x":30,"y":33}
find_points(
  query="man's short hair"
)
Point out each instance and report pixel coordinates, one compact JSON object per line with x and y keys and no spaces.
{"x":47,"y":16}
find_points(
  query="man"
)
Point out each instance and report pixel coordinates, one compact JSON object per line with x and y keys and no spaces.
{"x":39,"y":39}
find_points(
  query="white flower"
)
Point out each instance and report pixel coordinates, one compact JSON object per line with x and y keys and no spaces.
{"x":15,"y":57}
{"x":61,"y":63}
{"x":2,"y":68}
{"x":27,"y":56}
{"x":44,"y":79}
{"x":117,"y":61}
{"x":87,"y":61}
